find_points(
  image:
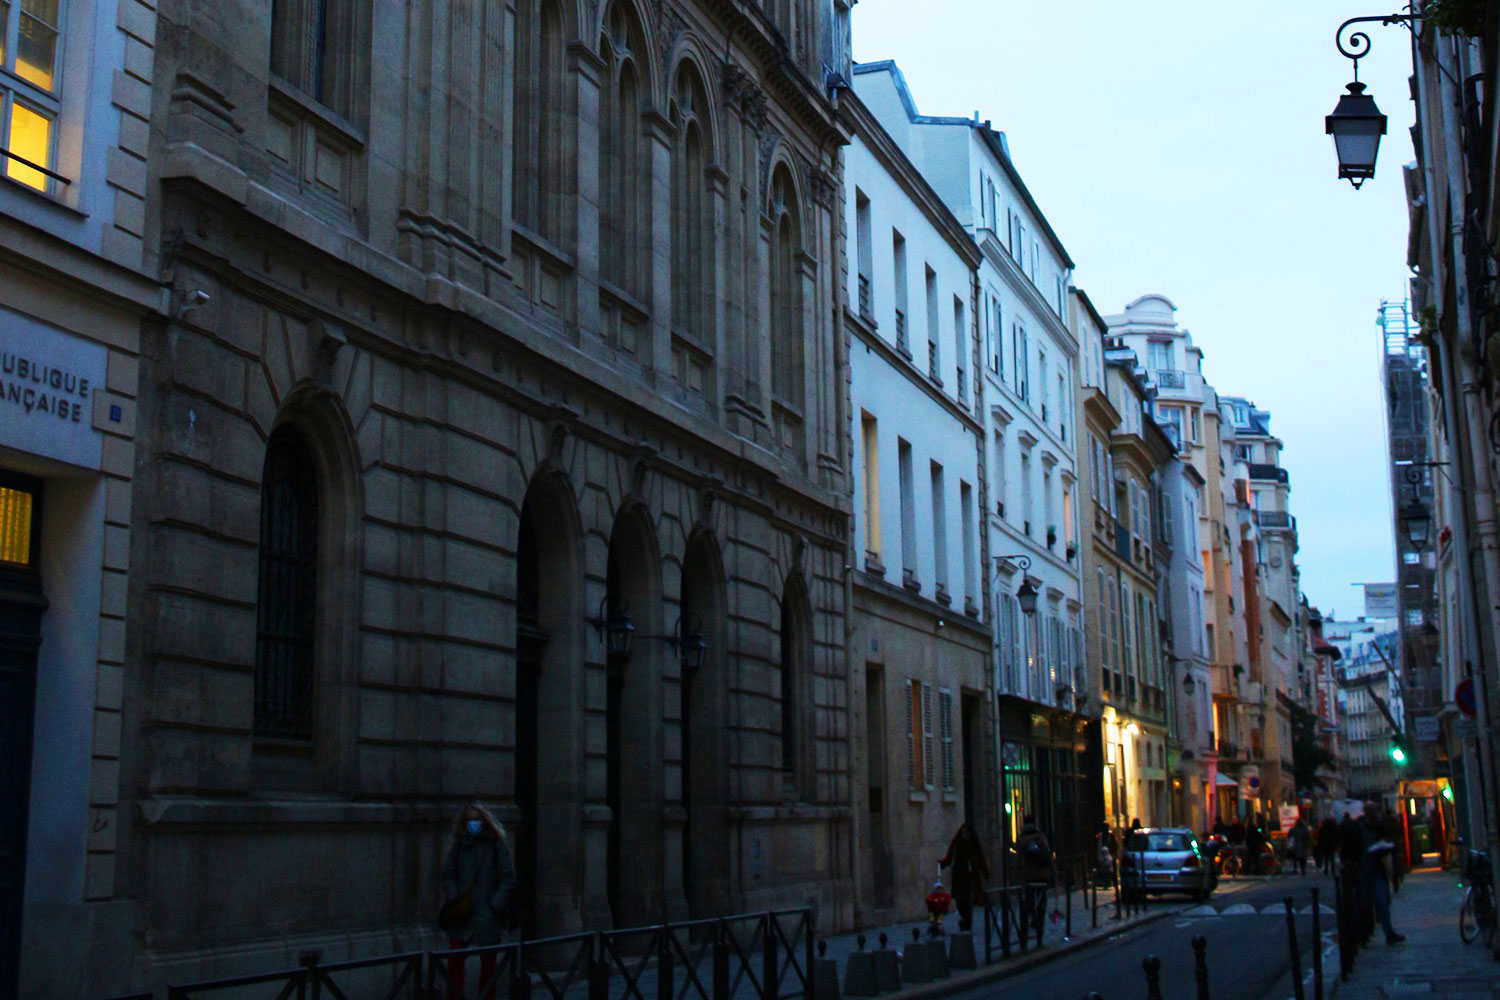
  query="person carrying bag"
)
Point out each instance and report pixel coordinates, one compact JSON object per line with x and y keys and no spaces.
{"x":479,"y":881}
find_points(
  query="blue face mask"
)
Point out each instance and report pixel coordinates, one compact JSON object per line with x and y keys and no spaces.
{"x":474,"y":826}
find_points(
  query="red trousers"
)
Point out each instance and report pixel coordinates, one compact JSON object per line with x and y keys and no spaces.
{"x":456,"y":973}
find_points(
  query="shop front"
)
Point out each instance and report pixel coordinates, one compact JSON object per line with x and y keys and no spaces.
{"x":1053,"y":770}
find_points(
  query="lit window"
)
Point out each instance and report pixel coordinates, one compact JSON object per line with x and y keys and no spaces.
{"x":29,"y":43}
{"x":15,"y":526}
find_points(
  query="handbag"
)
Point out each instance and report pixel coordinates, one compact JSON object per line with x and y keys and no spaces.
{"x":454,"y":914}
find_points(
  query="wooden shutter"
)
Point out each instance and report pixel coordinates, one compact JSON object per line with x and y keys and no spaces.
{"x":911,"y":731}
{"x":928,"y":749}
{"x":945,"y":730}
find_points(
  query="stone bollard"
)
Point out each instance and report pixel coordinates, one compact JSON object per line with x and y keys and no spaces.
{"x":859,"y":972}
{"x":916,"y":965}
{"x":1152,"y":965}
{"x":961,"y":951}
{"x":887,"y":970}
{"x":825,"y":975}
{"x":1200,"y":965}
{"x":937,"y":956}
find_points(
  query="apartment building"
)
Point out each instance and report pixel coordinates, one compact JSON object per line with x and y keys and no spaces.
{"x":926,"y":754}
{"x":1028,"y":358}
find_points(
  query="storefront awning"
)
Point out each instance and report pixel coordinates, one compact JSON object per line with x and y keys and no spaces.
{"x":1224,"y":781}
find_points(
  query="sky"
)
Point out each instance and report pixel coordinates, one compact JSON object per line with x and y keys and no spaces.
{"x":1177,"y":146}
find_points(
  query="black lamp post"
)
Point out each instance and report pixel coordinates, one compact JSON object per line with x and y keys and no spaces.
{"x":689,"y":642}
{"x":1026,"y":592}
{"x":1356,"y":123}
{"x":1417,"y":522}
{"x":615,"y":627}
{"x":1356,"y":126}
{"x":1188,"y":684}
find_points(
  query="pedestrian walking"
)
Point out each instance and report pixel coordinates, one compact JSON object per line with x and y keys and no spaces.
{"x":1327,"y":844}
{"x":1255,"y":839}
{"x":1038,"y":869}
{"x":1237,"y":832}
{"x":1297,"y":839}
{"x":971,"y":873}
{"x":479,"y":881}
{"x":1376,"y":870}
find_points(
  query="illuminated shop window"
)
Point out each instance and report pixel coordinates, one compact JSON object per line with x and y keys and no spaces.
{"x":29,"y":49}
{"x":15,"y":526}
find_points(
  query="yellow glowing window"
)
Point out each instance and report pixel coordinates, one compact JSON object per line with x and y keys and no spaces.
{"x":36,"y":42}
{"x":31,"y":139}
{"x":15,"y":526}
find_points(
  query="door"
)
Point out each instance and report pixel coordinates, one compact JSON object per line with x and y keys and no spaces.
{"x":21,"y":607}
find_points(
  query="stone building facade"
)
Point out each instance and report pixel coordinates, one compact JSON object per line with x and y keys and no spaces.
{"x":75,"y":97}
{"x":508,"y":351}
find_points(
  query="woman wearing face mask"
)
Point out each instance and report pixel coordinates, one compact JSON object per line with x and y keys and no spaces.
{"x":478,"y":881}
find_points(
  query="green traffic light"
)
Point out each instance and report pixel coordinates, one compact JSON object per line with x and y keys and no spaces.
{"x":1398,"y":753}
{"x":1448,"y":792}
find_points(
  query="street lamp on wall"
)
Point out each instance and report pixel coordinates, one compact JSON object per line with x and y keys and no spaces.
{"x":1356,"y":124}
{"x":1026,"y":593}
{"x":1188,"y":684}
{"x":687,"y":640}
{"x":614,"y":626}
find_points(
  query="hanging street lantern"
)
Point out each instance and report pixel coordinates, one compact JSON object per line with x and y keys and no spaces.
{"x":1356,"y":126}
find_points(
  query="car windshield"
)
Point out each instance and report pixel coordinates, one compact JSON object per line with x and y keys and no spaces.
{"x":1159,"y":841}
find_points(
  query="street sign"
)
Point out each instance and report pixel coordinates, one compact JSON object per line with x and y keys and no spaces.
{"x":1464,"y":697}
{"x":1427,"y":728}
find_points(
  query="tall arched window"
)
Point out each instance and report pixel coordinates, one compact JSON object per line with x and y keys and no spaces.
{"x":623,"y":169}
{"x":540,"y":104}
{"x":312,"y":48}
{"x":287,"y":592}
{"x":787,"y":386}
{"x":796,"y":693}
{"x":692,"y":211}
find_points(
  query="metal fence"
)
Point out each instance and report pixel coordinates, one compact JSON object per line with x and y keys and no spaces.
{"x":760,"y":956}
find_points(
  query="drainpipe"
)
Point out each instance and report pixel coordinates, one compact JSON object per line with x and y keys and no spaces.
{"x":1481,"y":505}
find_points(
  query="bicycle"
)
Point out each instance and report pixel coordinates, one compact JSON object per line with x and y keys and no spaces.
{"x":1476,"y":916}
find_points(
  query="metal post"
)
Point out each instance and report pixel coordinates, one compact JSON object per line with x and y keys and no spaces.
{"x":1068,"y":909}
{"x":664,"y":989}
{"x":721,"y":961}
{"x":1005,"y":897}
{"x":1200,"y":965}
{"x":1152,"y":965}
{"x":770,"y":989}
{"x":598,"y":970}
{"x":1317,"y":952}
{"x":1291,"y":934}
{"x":807,"y":954}
{"x":520,"y":978}
{"x":989,"y":916}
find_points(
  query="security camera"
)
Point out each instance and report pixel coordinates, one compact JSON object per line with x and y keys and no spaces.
{"x":941,"y":623}
{"x":192,"y":300}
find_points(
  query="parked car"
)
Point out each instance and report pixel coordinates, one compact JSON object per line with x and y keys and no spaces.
{"x":1165,"y":859}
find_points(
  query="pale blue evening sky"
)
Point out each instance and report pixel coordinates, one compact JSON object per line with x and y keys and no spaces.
{"x":1178,"y":147}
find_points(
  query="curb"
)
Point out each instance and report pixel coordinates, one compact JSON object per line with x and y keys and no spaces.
{"x":1003,"y":969}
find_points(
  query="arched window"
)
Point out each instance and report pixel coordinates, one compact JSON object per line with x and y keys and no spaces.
{"x":540,"y":104}
{"x":787,"y":386}
{"x":692,"y":211}
{"x":796,"y":693}
{"x":623,"y":169}
{"x":312,"y":48}
{"x":287,"y":592}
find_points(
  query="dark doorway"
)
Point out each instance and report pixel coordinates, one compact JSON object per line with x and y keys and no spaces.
{"x":21,"y":607}
{"x":705,"y":855}
{"x":972,"y":722}
{"x":633,"y":870}
{"x":881,"y":862}
{"x":548,"y":720}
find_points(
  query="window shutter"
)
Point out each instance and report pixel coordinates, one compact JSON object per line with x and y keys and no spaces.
{"x":1017,"y":641}
{"x":945,"y":722}
{"x":911,"y":742}
{"x":927,"y":734}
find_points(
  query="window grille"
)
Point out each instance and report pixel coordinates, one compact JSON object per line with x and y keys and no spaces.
{"x":287,"y":592}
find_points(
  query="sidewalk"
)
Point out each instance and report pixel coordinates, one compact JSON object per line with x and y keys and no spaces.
{"x":1433,"y":962}
{"x":1055,"y":941}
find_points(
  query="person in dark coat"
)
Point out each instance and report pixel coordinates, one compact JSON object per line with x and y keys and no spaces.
{"x":1237,"y":832}
{"x":971,"y":873}
{"x":1375,"y":872}
{"x":479,"y":864}
{"x":1255,"y":840}
{"x":1327,"y":847}
{"x":1038,"y":869}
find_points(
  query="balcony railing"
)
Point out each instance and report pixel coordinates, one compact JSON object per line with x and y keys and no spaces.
{"x":1270,"y":473}
{"x":932,"y":363}
{"x":1228,"y":751}
{"x":901,"y":344}
{"x":1171,"y":378}
{"x":962,"y":384}
{"x":864,"y":298}
{"x":1275,"y":519}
